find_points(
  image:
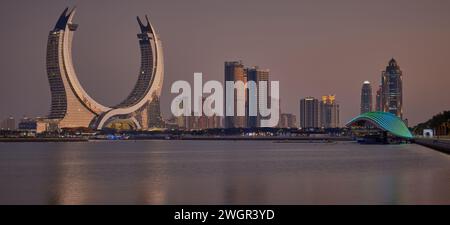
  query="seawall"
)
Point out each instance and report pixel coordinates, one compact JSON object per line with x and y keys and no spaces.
{"x":442,"y":145}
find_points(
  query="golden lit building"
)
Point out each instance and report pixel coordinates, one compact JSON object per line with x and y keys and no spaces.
{"x":234,"y":71}
{"x":72,"y":107}
{"x":329,"y":112}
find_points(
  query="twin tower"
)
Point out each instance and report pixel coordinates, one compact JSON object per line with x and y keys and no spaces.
{"x":72,"y":107}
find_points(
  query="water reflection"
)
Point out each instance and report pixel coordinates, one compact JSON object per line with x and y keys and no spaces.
{"x":204,"y":172}
{"x":70,"y":186}
{"x":86,"y":177}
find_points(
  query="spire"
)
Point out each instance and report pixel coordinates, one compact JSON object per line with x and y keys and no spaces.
{"x":63,"y":19}
{"x":145,"y":28}
{"x":392,"y":62}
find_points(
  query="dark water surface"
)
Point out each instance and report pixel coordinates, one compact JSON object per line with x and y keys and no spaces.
{"x":221,"y":172}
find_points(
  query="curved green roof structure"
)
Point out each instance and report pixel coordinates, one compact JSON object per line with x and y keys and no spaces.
{"x":385,"y":121}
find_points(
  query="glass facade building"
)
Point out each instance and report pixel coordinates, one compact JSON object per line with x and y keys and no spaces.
{"x":391,"y":89}
{"x":309,"y":113}
{"x":366,"y":97}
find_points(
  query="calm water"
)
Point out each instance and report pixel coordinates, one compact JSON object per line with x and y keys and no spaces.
{"x":221,"y":172}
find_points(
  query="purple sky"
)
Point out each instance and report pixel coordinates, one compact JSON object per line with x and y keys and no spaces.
{"x":312,"y":47}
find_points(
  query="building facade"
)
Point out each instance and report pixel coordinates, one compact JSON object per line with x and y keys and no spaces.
{"x":154,"y":117}
{"x":329,"y":112}
{"x":287,"y":120}
{"x":378,"y":104}
{"x":309,"y":113}
{"x":27,"y":124}
{"x":234,"y":71}
{"x":8,"y":123}
{"x":72,"y":107}
{"x":392,"y":89}
{"x":443,"y":129}
{"x":257,"y":75}
{"x":366,"y":98}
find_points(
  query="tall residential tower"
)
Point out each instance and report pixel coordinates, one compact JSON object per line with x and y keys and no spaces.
{"x":234,"y":71}
{"x":366,"y":97}
{"x":72,"y":107}
{"x":391,"y":89}
{"x":329,"y":112}
{"x":309,"y":113}
{"x":257,"y":75}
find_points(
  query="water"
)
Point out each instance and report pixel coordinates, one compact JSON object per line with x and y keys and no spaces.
{"x":221,"y":172}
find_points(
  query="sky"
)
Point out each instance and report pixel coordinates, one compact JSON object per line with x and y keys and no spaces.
{"x":312,"y":48}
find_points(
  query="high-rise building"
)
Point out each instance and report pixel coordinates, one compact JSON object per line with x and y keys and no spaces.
{"x":214,"y":122}
{"x":192,"y":122}
{"x":309,"y":113}
{"x":9,"y":123}
{"x":287,"y":120}
{"x":202,"y":122}
{"x":366,"y":97}
{"x":391,"y":89}
{"x":154,"y":113}
{"x":378,"y":106}
{"x":27,"y":124}
{"x":171,"y":123}
{"x":71,"y":106}
{"x":234,"y":71}
{"x":181,"y":122}
{"x":257,"y":75}
{"x":329,"y":112}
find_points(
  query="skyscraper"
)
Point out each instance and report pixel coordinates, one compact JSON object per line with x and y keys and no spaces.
{"x":309,"y":113}
{"x":9,"y":123}
{"x":366,"y":97}
{"x":234,"y":71}
{"x":391,"y":89}
{"x":329,"y":112}
{"x":201,"y":122}
{"x":181,"y":122}
{"x":213,"y":121}
{"x":287,"y":120}
{"x":154,"y":113}
{"x":378,"y":106}
{"x":257,"y":75}
{"x":72,"y":107}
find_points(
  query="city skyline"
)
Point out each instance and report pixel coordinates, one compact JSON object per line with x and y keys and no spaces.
{"x":177,"y":103}
{"x":301,"y":65}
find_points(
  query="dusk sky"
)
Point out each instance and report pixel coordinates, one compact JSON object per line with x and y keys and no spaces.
{"x":313,"y":48}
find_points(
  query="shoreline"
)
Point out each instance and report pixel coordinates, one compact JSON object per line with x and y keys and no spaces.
{"x":441,"y":145}
{"x":199,"y":138}
{"x":246,"y":138}
{"x":19,"y":140}
{"x":433,"y":144}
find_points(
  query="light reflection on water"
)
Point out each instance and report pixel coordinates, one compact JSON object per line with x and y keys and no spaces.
{"x":221,"y":172}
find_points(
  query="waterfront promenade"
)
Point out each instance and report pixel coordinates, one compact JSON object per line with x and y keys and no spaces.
{"x":439,"y":144}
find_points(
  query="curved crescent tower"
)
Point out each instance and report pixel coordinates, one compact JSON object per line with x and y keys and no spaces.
{"x":147,"y":87}
{"x":72,"y":107}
